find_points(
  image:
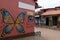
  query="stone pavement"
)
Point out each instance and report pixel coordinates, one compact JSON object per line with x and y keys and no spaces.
{"x":49,"y":34}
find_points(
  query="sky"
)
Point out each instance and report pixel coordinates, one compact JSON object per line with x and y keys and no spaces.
{"x":48,"y":3}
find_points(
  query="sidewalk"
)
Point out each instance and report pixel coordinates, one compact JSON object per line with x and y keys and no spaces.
{"x":53,"y":28}
{"x":49,"y":34}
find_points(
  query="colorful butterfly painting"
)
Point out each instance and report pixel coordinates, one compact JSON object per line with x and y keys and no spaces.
{"x":10,"y":22}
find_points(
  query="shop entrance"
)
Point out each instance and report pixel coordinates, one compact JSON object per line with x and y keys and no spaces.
{"x":47,"y":21}
{"x":54,"y":20}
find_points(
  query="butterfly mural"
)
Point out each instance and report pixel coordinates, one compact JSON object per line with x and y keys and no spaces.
{"x":9,"y":21}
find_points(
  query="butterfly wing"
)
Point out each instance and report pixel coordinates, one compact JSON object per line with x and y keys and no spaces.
{"x":20,"y":19}
{"x":7,"y":29}
{"x":7,"y":18}
{"x":20,"y":28}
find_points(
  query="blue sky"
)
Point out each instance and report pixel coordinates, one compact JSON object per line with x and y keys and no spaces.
{"x":49,"y":3}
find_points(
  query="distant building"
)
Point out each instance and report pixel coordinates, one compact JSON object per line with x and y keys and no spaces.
{"x":51,"y":17}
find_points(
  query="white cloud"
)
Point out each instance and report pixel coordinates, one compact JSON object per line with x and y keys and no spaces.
{"x":49,"y":3}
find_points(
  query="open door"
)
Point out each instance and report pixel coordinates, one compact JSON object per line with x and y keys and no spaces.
{"x":55,"y":20}
{"x":47,"y":21}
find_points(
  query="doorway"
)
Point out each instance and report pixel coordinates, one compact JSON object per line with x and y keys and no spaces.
{"x":47,"y":21}
{"x":54,"y":20}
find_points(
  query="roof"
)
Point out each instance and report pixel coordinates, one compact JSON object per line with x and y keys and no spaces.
{"x":51,"y":12}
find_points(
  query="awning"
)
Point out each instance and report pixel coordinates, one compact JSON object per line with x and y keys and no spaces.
{"x":52,"y":12}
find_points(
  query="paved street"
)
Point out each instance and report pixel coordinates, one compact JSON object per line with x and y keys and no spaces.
{"x":46,"y":34}
{"x":49,"y":34}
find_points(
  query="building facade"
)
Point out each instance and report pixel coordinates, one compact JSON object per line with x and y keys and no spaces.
{"x":16,"y":17}
{"x":52,"y":17}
